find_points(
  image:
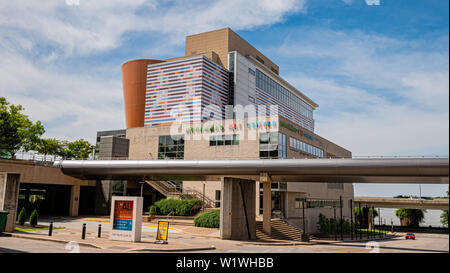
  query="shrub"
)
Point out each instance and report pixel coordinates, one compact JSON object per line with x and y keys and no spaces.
{"x":152,"y":210}
{"x":34,"y":218}
{"x":210,"y":219}
{"x":22,"y":216}
{"x":179,"y":207}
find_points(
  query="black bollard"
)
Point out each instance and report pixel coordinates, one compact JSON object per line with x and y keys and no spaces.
{"x":83,"y":232}
{"x":99,"y":230}
{"x":50,"y":228}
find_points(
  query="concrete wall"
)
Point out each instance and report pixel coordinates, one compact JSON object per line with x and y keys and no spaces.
{"x":30,"y":173}
{"x":9,"y":192}
{"x":221,"y":42}
{"x":237,"y":211}
{"x":113,"y":147}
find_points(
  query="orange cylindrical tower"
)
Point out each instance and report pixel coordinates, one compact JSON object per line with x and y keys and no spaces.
{"x":134,"y":78}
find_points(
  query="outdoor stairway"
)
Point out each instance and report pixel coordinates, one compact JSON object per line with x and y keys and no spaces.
{"x":173,"y":190}
{"x":280,"y":231}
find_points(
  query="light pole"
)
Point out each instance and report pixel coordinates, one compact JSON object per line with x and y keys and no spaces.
{"x":142,"y":188}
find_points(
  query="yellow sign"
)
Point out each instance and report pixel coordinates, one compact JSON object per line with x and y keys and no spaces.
{"x":163,"y":230}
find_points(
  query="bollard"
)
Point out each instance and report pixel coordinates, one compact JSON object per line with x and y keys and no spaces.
{"x":50,"y":228}
{"x":83,"y":232}
{"x":99,"y":231}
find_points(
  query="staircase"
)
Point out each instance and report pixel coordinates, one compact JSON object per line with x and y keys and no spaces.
{"x":166,"y":188}
{"x":280,"y":231}
{"x":173,"y":190}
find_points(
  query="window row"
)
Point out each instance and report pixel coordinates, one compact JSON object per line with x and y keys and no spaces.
{"x":305,"y":147}
{"x":171,"y":147}
{"x":224,"y":140}
{"x":272,"y":145}
{"x":282,"y":94}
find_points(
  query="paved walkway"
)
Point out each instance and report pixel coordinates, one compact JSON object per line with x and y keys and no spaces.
{"x":73,"y":227}
{"x":181,"y":237}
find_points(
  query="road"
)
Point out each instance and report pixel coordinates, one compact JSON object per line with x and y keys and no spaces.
{"x":425,"y":243}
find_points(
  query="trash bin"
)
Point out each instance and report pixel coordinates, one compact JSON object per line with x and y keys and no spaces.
{"x":3,"y":219}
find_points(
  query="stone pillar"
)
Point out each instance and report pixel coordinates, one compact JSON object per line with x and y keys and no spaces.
{"x":370,"y":218}
{"x":74,"y":200}
{"x":102,"y":197}
{"x":267,"y":202}
{"x":237,"y":210}
{"x":9,"y":196}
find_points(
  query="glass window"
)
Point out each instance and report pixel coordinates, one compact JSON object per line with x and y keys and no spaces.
{"x":220,"y":140}
{"x":235,"y":139}
{"x":212,"y":141}
{"x":171,"y":147}
{"x":263,"y":138}
{"x":228,"y":139}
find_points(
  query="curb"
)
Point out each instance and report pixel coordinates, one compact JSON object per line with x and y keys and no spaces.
{"x":355,"y":241}
{"x":283,"y":244}
{"x":173,"y":249}
{"x":50,"y":240}
{"x":6,"y":234}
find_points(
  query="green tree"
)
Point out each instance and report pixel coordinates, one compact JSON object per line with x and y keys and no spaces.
{"x":22,"y":216}
{"x":34,"y":218}
{"x":79,"y":149}
{"x":17,"y":131}
{"x":50,"y":146}
{"x":444,"y":216}
{"x":410,"y":217}
{"x":362,"y":215}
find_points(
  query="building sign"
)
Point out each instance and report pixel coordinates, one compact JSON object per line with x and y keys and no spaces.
{"x":126,"y":218}
{"x":163,"y":231}
{"x":232,"y":127}
{"x":123,"y":215}
{"x":293,"y":129}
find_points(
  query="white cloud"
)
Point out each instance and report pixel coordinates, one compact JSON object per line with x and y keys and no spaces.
{"x":98,"y":25}
{"x":41,"y":41}
{"x":377,"y":95}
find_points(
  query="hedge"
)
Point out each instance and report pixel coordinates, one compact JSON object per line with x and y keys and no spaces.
{"x":22,"y":216}
{"x":179,"y":207}
{"x":210,"y":219}
{"x":34,"y":218}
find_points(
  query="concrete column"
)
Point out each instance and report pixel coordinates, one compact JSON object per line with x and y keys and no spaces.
{"x":370,"y":214}
{"x":237,"y":210}
{"x":267,"y":202}
{"x":267,"y":207}
{"x":103,"y":197}
{"x":9,"y":196}
{"x":74,"y":200}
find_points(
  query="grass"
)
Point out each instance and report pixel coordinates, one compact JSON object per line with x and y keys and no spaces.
{"x":36,"y":229}
{"x":372,"y":231}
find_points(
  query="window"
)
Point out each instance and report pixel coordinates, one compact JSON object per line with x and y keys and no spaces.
{"x":272,"y":145}
{"x":299,"y":203}
{"x":217,"y":202}
{"x":224,"y":140}
{"x":282,"y":94}
{"x":171,"y":147}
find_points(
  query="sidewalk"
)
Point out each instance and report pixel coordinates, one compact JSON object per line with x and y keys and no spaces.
{"x":356,"y":240}
{"x":147,"y":241}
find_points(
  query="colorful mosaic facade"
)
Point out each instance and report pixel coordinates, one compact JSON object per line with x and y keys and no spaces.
{"x":188,"y":90}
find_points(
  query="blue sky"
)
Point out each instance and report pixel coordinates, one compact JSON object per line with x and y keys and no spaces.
{"x":380,"y":73}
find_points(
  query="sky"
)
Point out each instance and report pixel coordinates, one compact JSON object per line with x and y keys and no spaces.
{"x":379,"y":69}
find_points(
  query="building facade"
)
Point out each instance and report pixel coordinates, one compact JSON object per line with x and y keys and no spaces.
{"x":226,"y":100}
